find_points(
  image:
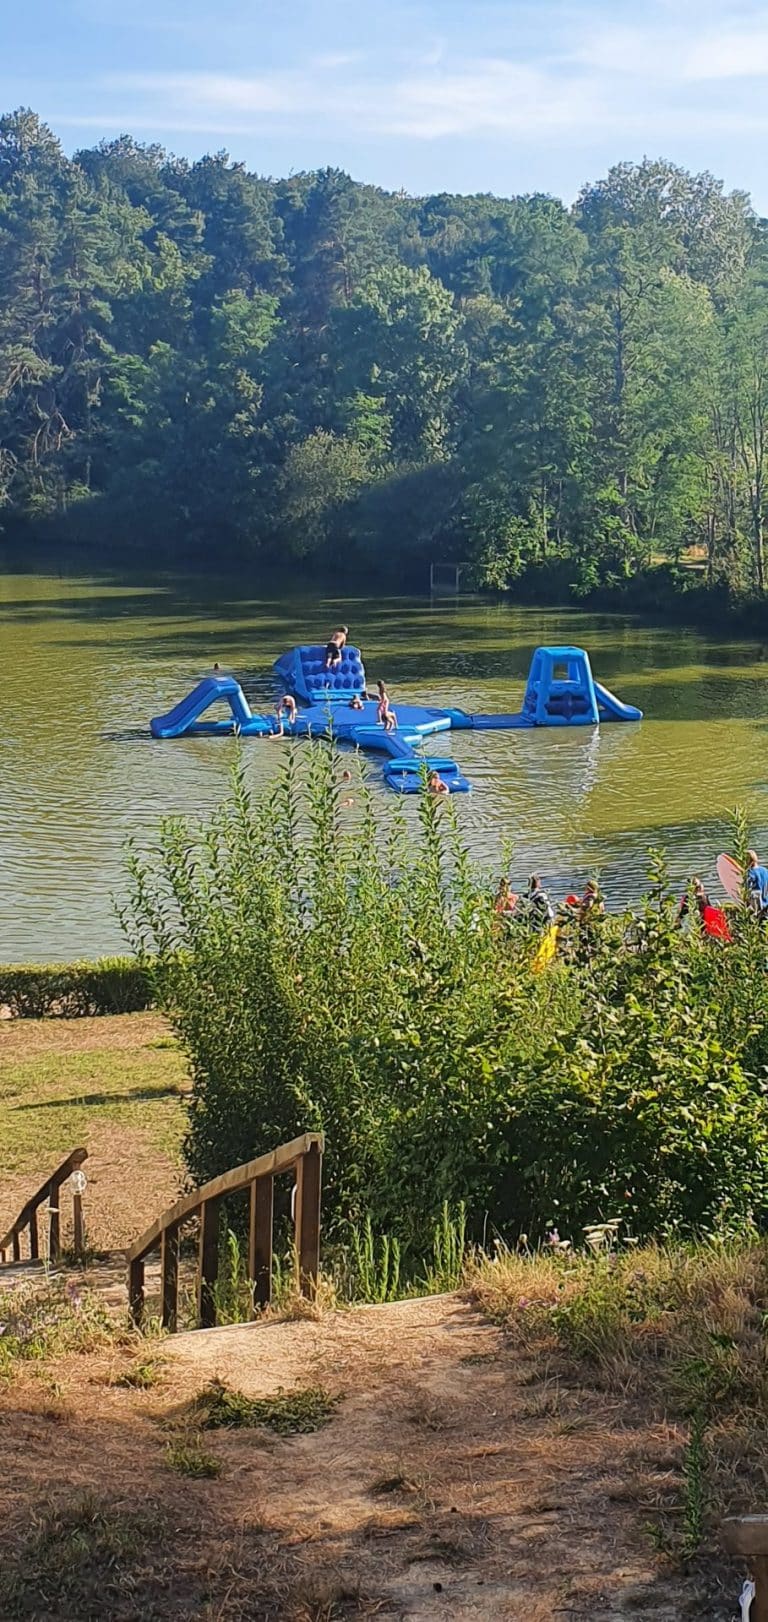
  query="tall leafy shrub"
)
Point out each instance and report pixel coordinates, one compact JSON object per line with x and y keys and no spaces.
{"x":339,"y":966}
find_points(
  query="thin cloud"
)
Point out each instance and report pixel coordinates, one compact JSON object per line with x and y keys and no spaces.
{"x":730,"y":55}
{"x":665,"y":49}
{"x":647,"y":82}
{"x":275,"y":93}
{"x":487,"y":96}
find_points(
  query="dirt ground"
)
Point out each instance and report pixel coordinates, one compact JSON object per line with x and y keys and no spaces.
{"x":456,"y":1479}
{"x":453,"y":1481}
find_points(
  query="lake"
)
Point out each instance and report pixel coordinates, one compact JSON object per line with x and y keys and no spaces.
{"x":88,"y":658}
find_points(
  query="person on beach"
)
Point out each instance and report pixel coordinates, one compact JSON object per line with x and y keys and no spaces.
{"x":591,"y":905}
{"x":700,"y":897}
{"x":334,"y":647}
{"x":505,"y":899}
{"x":757,"y":884}
{"x":538,"y":906}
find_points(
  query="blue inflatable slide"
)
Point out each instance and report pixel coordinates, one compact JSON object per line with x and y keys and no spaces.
{"x":560,"y":691}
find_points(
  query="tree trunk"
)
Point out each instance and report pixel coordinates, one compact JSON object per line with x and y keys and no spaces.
{"x":711,"y":546}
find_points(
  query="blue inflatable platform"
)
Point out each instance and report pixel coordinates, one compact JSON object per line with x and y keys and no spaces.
{"x":560,"y":691}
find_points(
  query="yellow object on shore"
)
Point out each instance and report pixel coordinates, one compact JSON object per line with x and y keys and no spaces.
{"x":546,"y":950}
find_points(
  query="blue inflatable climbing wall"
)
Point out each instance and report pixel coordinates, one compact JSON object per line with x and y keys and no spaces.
{"x":304,"y":673}
{"x":560,"y":689}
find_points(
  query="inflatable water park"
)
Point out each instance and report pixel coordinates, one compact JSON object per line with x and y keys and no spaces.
{"x":561,"y":691}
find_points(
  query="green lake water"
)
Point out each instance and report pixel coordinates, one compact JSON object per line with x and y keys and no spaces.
{"x":86,"y":660}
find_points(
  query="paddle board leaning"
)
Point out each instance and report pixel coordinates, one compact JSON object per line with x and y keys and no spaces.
{"x":731,"y":876}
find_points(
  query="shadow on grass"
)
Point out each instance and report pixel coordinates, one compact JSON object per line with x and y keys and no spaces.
{"x":137,"y":1095}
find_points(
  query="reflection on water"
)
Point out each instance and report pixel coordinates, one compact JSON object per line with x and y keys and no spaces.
{"x":87,"y":661}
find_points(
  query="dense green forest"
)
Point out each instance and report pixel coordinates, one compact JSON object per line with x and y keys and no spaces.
{"x":194,"y":357}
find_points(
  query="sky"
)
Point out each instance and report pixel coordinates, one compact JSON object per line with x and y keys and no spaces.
{"x":503,"y":96}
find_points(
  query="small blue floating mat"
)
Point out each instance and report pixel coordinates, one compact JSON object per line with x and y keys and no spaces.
{"x":407,"y":776}
{"x":304,"y":673}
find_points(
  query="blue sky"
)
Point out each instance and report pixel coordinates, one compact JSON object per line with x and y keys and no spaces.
{"x":429,"y":95}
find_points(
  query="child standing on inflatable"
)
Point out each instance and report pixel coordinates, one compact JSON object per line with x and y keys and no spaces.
{"x":335,"y":646}
{"x":384,"y":714}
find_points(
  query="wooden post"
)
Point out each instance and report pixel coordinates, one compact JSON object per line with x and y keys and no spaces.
{"x":16,"y":1246}
{"x":260,"y":1239}
{"x":136,"y":1290}
{"x":79,"y":1239}
{"x":34,"y":1244}
{"x":208,"y":1263}
{"x":54,"y":1225}
{"x":747,"y":1535}
{"x":308,"y":1218}
{"x":169,"y":1276}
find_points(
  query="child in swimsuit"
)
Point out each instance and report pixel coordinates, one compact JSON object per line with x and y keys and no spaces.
{"x":285,"y":705}
{"x":384,"y":714}
{"x":435,"y":784}
{"x":335,"y":646}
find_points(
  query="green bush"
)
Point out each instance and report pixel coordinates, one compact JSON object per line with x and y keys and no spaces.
{"x":343,"y":970}
{"x":112,"y":985}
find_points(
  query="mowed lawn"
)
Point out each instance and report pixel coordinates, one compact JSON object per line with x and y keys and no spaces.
{"x":114,"y":1085}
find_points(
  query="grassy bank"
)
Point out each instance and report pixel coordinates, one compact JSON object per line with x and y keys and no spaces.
{"x":114,"y":1084}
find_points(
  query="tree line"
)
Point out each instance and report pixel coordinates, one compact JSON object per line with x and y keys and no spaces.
{"x":195,"y":357}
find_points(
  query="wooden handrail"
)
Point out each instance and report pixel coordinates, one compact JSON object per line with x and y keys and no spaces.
{"x":747,"y":1535}
{"x":27,"y":1218}
{"x":302,"y":1155}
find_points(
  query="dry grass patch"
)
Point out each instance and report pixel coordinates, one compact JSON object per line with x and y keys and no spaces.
{"x":676,"y":1333}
